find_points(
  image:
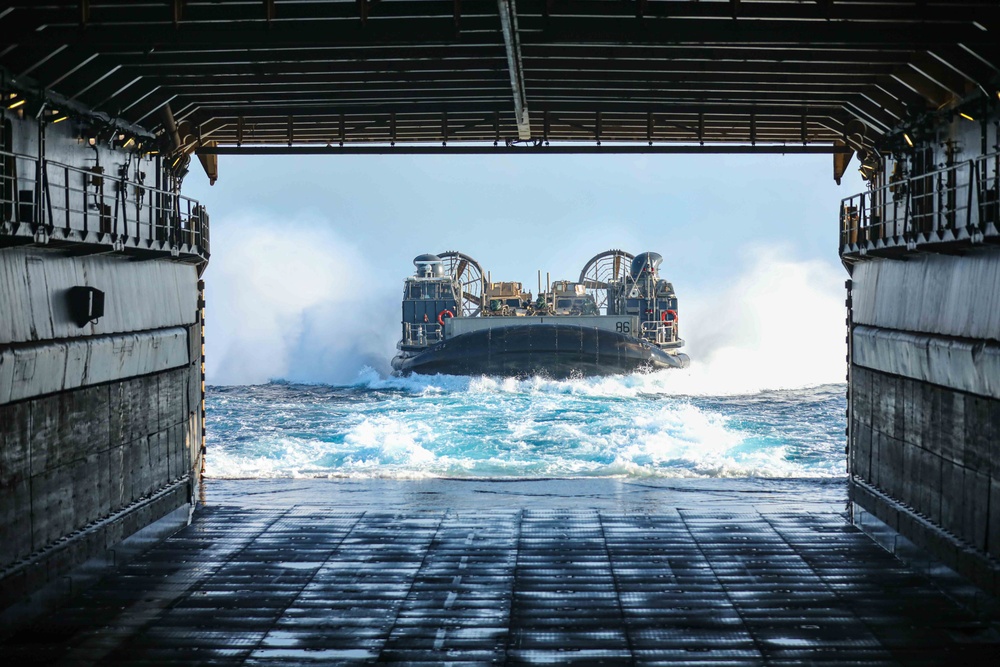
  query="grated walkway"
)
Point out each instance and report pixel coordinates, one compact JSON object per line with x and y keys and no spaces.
{"x":544,"y":586}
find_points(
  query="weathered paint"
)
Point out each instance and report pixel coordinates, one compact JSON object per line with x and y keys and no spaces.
{"x":139,"y":296}
{"x":78,"y":456}
{"x":925,"y":404}
{"x":935,"y":294}
{"x":100,"y":429}
{"x":964,"y":365}
{"x":26,"y":372}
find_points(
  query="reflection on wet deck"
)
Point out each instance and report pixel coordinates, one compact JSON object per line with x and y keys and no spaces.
{"x":309,"y":583}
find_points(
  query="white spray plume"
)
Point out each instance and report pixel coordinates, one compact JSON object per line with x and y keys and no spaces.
{"x":292,"y":301}
{"x":295,"y":301}
{"x":779,"y":325}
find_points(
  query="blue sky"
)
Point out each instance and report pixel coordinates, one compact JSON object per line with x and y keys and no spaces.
{"x":359,"y":220}
{"x":520,"y":213}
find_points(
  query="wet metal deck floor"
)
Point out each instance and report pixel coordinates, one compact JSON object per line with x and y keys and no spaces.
{"x":309,"y":583}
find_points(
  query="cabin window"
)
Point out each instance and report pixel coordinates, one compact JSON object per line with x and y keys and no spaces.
{"x":514,"y":303}
{"x":564,"y":303}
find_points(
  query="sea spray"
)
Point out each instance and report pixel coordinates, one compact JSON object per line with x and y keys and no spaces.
{"x":305,"y":306}
{"x":779,"y":325}
{"x":296,"y":302}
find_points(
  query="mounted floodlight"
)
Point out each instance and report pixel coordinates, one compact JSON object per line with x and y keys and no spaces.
{"x":86,"y":304}
{"x":92,"y":141}
{"x":55,"y":116}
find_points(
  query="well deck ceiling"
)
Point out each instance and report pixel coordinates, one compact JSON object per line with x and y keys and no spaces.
{"x":292,"y":72}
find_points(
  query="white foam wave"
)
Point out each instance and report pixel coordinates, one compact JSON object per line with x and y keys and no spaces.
{"x":511,"y":428}
{"x":700,"y":379}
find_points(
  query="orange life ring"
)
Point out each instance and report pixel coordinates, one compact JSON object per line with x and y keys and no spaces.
{"x":442,"y":314}
{"x":663,"y":315}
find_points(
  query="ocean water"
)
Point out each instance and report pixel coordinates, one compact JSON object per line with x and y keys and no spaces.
{"x":666,"y":425}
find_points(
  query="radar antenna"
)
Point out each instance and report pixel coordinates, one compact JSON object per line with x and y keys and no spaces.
{"x":603,"y":269}
{"x":469,"y":275}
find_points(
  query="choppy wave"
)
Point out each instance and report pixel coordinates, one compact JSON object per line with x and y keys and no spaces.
{"x":666,"y":424}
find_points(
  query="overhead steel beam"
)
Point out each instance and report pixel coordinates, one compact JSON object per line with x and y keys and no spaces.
{"x":345,"y":56}
{"x":489,"y":149}
{"x":424,"y":67}
{"x":780,"y":72}
{"x":512,"y":42}
{"x":723,"y":109}
{"x":567,"y":30}
{"x":862,"y":35}
{"x":48,"y":56}
{"x":63,"y":13}
{"x":965,"y":66}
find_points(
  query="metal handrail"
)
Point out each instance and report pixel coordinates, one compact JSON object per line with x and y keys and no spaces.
{"x":659,"y":332}
{"x":952,"y":203}
{"x":56,"y":197}
{"x":422,"y":333}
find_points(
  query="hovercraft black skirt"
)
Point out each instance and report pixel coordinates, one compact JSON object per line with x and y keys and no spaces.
{"x":552,"y":350}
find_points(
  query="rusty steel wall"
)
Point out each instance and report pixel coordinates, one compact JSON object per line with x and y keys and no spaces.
{"x":100,"y":424}
{"x":925,"y":404}
{"x":84,"y":469}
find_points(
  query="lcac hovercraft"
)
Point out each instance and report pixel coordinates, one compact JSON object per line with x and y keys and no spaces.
{"x":619,"y":317}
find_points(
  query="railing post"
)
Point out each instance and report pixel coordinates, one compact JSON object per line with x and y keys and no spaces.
{"x":66,"y":197}
{"x":907,"y":223}
{"x":86,"y":221}
{"x":117,"y":198}
{"x":863,"y":218}
{"x":939,"y":204}
{"x":971,"y":220}
{"x":151,"y":215}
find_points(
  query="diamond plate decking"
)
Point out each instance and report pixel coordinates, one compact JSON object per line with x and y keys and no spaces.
{"x":534,"y":586}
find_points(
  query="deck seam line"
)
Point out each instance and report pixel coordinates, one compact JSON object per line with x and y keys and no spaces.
{"x":618,"y":591}
{"x":413,"y":581}
{"x":305,"y":585}
{"x":722,"y":586}
{"x":513,"y":586}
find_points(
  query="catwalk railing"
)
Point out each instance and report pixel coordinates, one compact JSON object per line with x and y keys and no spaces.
{"x":418,"y":334}
{"x":660,"y":333}
{"x":956,"y":204}
{"x":45,"y":202}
